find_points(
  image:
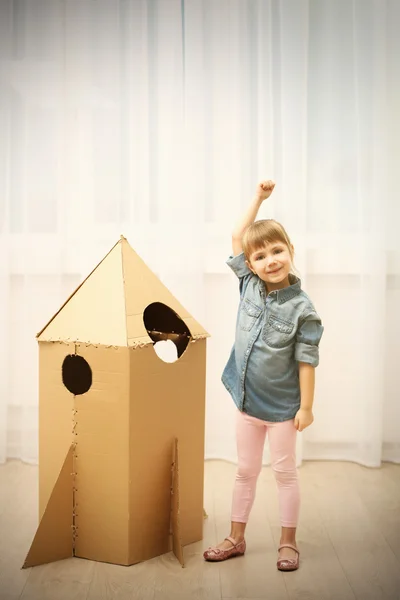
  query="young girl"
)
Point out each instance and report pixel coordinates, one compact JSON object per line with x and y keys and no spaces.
{"x":269,"y":374}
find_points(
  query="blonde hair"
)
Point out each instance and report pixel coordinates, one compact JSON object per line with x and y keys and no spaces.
{"x":265,"y":231}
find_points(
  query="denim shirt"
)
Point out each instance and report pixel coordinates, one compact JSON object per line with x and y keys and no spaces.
{"x":273,"y":333}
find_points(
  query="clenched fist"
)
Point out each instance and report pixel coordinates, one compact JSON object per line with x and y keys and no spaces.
{"x":265,"y":189}
{"x":304,"y":417}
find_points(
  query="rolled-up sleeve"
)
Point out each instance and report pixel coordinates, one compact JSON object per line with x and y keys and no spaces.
{"x":241,"y":270}
{"x":238,"y":265}
{"x":307,"y":339}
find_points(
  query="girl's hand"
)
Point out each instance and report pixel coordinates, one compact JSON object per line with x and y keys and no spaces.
{"x":265,"y":189}
{"x":303,"y":419}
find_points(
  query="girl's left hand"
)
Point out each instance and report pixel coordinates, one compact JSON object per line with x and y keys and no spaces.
{"x":303,"y":419}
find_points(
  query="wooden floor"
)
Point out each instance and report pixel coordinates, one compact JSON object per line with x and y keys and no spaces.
{"x":349,"y":538}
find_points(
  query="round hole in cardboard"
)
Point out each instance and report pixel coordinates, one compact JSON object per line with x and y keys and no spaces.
{"x":164,"y":324}
{"x":166,"y":350}
{"x":76,"y":374}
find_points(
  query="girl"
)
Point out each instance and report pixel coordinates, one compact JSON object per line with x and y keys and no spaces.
{"x":269,"y":374}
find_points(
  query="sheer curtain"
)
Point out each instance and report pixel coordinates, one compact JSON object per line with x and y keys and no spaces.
{"x":156,"y":119}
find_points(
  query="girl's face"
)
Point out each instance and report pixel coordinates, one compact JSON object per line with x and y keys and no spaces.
{"x":272,"y":264}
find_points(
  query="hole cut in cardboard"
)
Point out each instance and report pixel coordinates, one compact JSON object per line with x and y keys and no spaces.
{"x":164,"y":324}
{"x":166,"y":350}
{"x":76,"y":374}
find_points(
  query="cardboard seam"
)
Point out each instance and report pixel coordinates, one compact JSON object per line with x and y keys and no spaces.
{"x":129,"y":395}
{"x":74,"y":472}
{"x":193,"y":340}
{"x":171,"y":493}
{"x":67,"y":341}
{"x":124,"y":290}
{"x":88,"y":344}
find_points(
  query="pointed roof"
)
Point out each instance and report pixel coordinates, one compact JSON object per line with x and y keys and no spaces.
{"x":107,"y":307}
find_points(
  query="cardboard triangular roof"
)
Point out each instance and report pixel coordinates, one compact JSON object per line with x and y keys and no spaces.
{"x":107,"y":307}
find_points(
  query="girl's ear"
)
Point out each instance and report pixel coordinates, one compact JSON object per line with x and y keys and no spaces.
{"x":250,"y":267}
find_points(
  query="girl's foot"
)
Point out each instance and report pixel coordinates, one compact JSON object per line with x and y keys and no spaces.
{"x":288,"y":557}
{"x":229,"y":548}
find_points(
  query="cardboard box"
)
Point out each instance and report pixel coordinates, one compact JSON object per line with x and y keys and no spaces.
{"x":121,"y":432}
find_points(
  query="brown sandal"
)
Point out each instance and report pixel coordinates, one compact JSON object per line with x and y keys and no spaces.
{"x":288,"y":564}
{"x":217,"y":554}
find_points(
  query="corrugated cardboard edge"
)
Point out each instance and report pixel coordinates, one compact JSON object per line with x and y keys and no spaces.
{"x":175,"y":516}
{"x":54,"y":536}
{"x":74,"y":292}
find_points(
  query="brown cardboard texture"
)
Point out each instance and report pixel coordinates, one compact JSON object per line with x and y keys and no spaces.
{"x":115,"y":413}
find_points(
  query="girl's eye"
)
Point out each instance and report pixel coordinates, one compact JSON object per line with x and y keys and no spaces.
{"x":259,"y":257}
{"x":278,"y":251}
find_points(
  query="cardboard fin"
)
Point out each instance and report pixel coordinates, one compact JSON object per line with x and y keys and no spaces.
{"x":54,"y":536}
{"x":175,"y":516}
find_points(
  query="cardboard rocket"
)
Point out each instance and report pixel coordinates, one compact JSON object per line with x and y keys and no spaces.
{"x":121,"y":432}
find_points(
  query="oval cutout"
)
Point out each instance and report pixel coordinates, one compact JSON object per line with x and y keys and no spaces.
{"x":163,"y":324}
{"x":76,"y":374}
{"x":166,"y":351}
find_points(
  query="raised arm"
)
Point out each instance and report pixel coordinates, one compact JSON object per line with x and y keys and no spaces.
{"x":263,"y":191}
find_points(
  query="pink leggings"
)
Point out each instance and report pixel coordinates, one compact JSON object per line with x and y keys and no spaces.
{"x":250,"y":437}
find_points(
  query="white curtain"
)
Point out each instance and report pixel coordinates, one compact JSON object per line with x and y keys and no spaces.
{"x":156,"y":119}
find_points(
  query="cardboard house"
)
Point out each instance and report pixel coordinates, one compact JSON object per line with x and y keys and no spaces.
{"x":121,"y":432}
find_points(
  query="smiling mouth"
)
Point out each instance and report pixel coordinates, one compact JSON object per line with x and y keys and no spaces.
{"x":272,"y":272}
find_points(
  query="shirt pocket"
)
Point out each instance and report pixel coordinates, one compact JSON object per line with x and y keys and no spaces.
{"x":249,"y":314}
{"x":277,"y":332}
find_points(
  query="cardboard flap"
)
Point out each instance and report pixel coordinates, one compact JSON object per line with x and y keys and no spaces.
{"x":175,"y":516}
{"x":54,"y":537}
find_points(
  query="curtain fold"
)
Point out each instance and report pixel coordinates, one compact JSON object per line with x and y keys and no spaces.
{"x":156,"y":119}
